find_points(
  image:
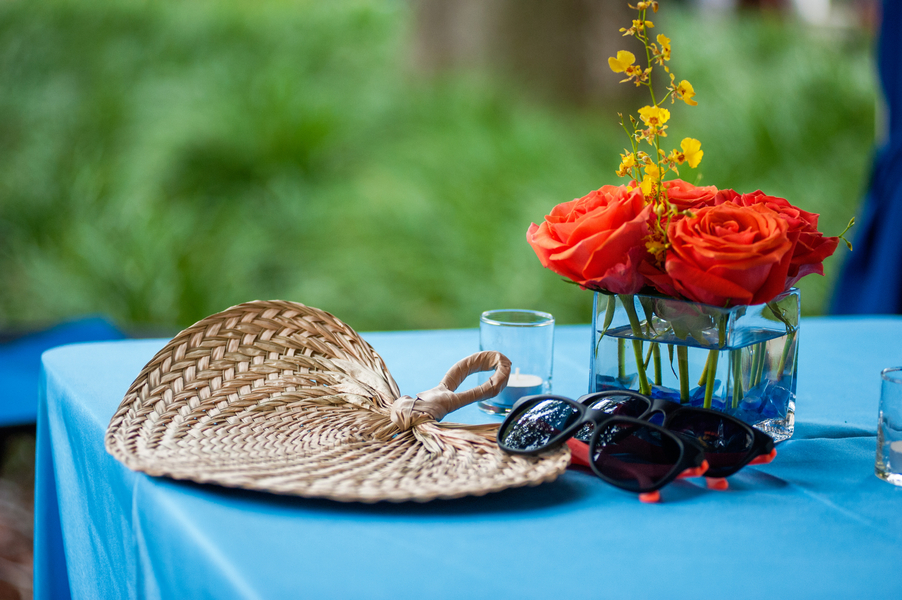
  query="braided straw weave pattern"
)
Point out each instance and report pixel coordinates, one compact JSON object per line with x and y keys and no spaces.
{"x":280,"y":397}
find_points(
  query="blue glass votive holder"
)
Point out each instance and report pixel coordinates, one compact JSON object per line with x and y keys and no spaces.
{"x":526,"y":337}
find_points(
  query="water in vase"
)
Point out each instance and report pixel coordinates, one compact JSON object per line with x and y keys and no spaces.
{"x":741,"y":361}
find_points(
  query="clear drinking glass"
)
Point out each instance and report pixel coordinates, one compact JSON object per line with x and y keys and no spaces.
{"x":889,"y":427}
{"x":526,"y":337}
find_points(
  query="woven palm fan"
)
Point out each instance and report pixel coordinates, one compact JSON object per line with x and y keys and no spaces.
{"x":285,"y":398}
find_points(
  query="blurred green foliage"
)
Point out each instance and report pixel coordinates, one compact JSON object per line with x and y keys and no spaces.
{"x":162,"y":161}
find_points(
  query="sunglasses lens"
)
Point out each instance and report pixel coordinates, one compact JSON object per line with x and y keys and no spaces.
{"x":538,"y":424}
{"x":624,"y":406}
{"x":635,"y":457}
{"x":726,"y":442}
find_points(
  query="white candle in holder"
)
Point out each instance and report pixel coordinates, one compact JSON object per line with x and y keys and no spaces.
{"x":895,"y":456}
{"x":526,"y":338}
{"x":519,"y":385}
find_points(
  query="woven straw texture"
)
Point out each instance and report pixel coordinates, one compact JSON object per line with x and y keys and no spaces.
{"x":280,"y":397}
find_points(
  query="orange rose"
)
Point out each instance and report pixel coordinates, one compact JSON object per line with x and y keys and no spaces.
{"x":658,"y":279}
{"x":685,"y":196}
{"x":812,"y":247}
{"x":730,"y":255}
{"x":597,"y":240}
{"x":725,"y":196}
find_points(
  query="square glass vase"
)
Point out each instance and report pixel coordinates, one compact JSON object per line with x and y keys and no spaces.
{"x":740,"y":360}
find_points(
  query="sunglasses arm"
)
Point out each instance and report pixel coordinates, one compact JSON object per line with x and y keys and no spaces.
{"x":695,"y":471}
{"x":717,"y":483}
{"x":764,"y":458}
{"x":579,"y":452}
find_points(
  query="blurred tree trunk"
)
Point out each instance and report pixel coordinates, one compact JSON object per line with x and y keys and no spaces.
{"x":764,"y":4}
{"x":559,"y":48}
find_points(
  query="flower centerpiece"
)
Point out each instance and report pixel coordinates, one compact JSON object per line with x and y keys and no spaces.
{"x":694,"y":296}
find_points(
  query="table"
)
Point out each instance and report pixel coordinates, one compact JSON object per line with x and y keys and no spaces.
{"x":814,"y":523}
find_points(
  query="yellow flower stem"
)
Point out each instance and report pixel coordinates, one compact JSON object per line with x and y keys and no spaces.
{"x":632,"y":139}
{"x":658,"y":196}
{"x":651,"y":90}
{"x":636,"y":169}
{"x":648,"y":60}
{"x":627,"y":301}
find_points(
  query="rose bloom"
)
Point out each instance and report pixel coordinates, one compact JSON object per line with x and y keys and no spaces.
{"x":812,"y":247}
{"x":658,"y":279}
{"x":730,"y":255}
{"x":685,"y":196}
{"x":597,"y":240}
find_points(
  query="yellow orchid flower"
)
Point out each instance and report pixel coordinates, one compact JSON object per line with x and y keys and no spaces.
{"x":654,"y":116}
{"x":685,"y":92}
{"x":665,"y":46}
{"x":651,"y":179}
{"x":628,"y":161}
{"x":692,"y":150}
{"x":622,"y":61}
{"x":653,"y":170}
{"x":646,"y":171}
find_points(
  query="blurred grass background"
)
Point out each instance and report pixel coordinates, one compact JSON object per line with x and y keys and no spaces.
{"x":161,"y":161}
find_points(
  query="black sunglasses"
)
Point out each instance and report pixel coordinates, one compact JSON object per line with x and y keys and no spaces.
{"x":627,"y":452}
{"x":539,"y":423}
{"x":729,"y":443}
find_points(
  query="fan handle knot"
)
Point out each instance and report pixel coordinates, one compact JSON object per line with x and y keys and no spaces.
{"x":442,"y":399}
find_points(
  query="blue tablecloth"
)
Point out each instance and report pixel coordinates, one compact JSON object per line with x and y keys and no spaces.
{"x":816,"y":523}
{"x":20,"y":364}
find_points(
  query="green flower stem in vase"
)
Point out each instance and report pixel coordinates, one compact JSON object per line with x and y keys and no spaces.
{"x":630,"y":309}
{"x":736,"y":361}
{"x":683,"y":361}
{"x":621,"y":359}
{"x":759,"y":352}
{"x":711,"y":374}
{"x":787,"y":348}
{"x":711,"y":363}
{"x":656,"y":356}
